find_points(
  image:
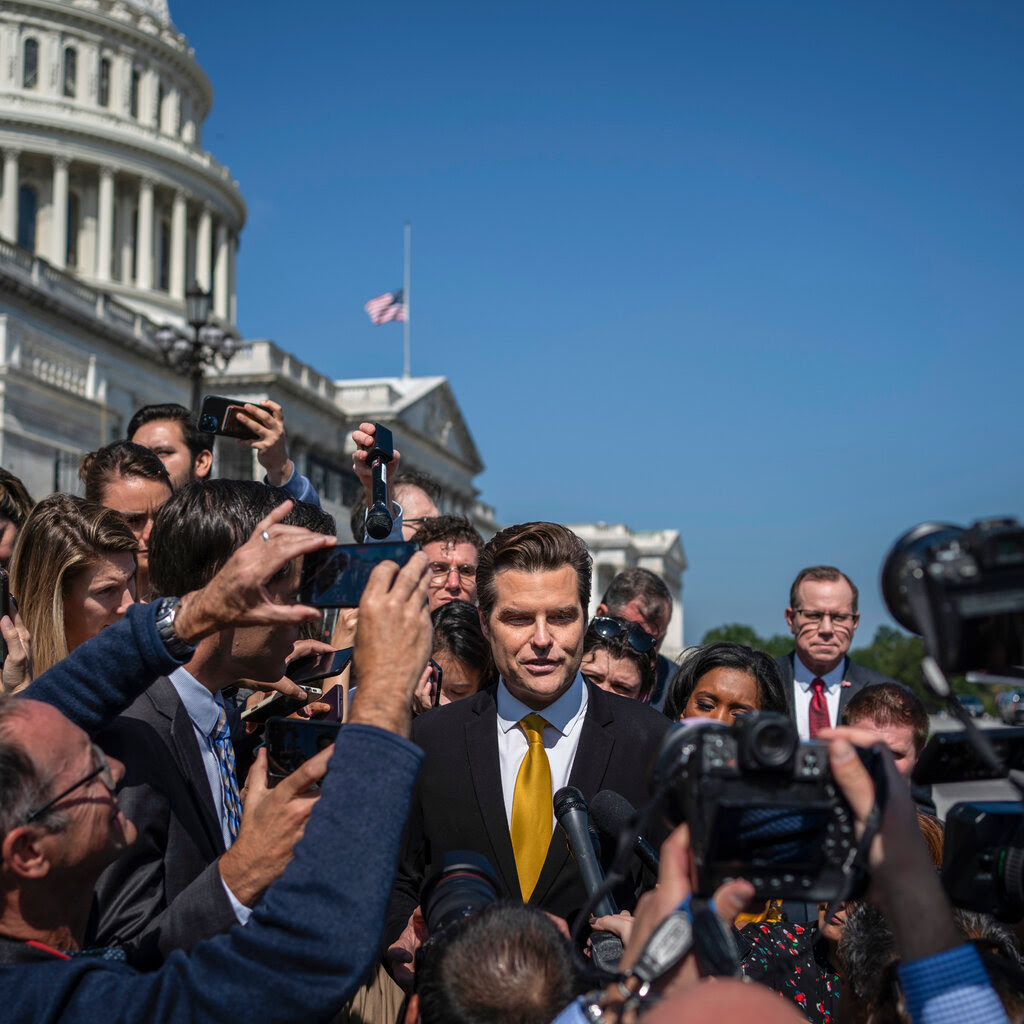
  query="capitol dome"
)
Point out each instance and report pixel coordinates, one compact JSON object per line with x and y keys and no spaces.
{"x":102,"y":106}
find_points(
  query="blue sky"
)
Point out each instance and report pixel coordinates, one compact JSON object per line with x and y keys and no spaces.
{"x":748,"y":270}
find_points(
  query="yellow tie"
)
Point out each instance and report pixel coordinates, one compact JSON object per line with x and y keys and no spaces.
{"x":531,"y":807}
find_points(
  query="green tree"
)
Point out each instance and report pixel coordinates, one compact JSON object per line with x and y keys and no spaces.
{"x":896,"y":655}
{"x":738,"y":633}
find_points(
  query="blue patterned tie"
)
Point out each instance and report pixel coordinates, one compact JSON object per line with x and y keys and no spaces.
{"x":229,"y":783}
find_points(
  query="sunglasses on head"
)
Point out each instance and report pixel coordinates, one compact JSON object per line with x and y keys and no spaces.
{"x":606,"y":627}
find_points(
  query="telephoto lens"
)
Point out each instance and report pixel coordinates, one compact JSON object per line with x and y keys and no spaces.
{"x":463,"y":885}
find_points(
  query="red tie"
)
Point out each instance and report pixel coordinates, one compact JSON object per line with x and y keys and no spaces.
{"x":817,"y":715}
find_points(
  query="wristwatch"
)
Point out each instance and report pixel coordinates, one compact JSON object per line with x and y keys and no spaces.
{"x":166,"y":610}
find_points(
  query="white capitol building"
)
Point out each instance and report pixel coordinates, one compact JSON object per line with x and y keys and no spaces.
{"x":110,"y":209}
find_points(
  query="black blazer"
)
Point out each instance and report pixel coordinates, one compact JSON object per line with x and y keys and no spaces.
{"x":856,"y":675}
{"x":165,"y":891}
{"x":458,"y":803}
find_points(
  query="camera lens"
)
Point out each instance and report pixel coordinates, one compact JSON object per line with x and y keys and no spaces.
{"x":208,"y":424}
{"x":767,"y":741}
{"x":464,"y":885}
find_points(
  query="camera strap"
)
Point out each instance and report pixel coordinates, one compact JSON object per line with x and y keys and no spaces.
{"x":856,"y":870}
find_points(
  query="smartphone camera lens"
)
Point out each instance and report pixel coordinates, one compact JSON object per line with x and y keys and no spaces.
{"x":208,"y":423}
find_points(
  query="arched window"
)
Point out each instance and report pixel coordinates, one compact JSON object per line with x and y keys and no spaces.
{"x":160,"y":105}
{"x":133,"y":94}
{"x":73,"y":221}
{"x":30,"y":64}
{"x":28,"y":203}
{"x":70,"y":72}
{"x":104,"y":85}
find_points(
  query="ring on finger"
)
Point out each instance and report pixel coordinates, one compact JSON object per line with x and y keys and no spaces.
{"x":265,"y":535}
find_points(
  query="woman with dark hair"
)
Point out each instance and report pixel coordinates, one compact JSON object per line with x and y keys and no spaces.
{"x":723,"y":680}
{"x":15,"y":505}
{"x":131,"y":480}
{"x":613,"y":661}
{"x":462,"y":651}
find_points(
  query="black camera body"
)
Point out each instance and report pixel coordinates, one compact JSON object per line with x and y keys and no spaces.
{"x":972,"y":581}
{"x":762,"y":806}
{"x":983,"y":858}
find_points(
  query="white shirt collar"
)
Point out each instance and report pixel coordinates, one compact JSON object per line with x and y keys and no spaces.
{"x":559,"y":715}
{"x":201,"y":705}
{"x":804,"y":677}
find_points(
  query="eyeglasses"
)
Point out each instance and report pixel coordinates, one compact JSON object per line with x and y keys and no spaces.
{"x":838,"y":618}
{"x":102,"y":769}
{"x":606,"y":627}
{"x":440,"y":571}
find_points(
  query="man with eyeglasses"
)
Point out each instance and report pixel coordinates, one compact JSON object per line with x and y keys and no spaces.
{"x":822,"y":616}
{"x":453,"y":546}
{"x":308,"y":944}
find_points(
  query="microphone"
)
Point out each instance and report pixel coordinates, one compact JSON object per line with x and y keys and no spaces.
{"x":614,"y":814}
{"x":571,"y":811}
{"x":378,"y":520}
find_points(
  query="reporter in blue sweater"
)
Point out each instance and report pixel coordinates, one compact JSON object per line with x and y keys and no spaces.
{"x":315,"y":932}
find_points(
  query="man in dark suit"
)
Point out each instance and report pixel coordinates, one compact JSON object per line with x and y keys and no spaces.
{"x":199,"y":865}
{"x":494,"y":760}
{"x":820,"y":678}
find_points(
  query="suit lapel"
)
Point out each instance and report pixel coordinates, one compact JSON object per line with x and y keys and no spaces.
{"x":185,"y":749}
{"x":485,"y":771}
{"x":588,"y":771}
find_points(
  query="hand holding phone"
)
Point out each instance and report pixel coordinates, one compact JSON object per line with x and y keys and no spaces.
{"x":336,"y":577}
{"x":220,"y":416}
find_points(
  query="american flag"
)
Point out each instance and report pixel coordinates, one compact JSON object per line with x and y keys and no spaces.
{"x":389,"y":306}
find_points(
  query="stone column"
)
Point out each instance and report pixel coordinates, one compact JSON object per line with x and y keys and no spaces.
{"x":233,"y":280}
{"x":179,"y":220}
{"x":59,"y":213}
{"x":9,"y":216}
{"x":203,"y":236}
{"x":144,"y":236}
{"x":220,"y":273}
{"x":105,"y":239}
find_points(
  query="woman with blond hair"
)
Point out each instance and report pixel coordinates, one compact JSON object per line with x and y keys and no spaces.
{"x":72,"y":574}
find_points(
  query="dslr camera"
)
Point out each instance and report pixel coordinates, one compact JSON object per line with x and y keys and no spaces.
{"x":762,"y":806}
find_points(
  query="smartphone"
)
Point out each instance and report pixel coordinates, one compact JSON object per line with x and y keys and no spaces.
{"x":291,"y":742}
{"x":318,"y":666}
{"x":436,"y":674}
{"x":280,"y":704}
{"x":220,"y":416}
{"x":5,"y":609}
{"x":336,"y":577}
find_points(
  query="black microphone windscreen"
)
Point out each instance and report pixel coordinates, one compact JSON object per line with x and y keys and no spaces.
{"x":612,"y":812}
{"x":379,"y":522}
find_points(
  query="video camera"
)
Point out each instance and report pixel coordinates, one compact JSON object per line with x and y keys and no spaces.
{"x":762,"y":806}
{"x":962,"y":590}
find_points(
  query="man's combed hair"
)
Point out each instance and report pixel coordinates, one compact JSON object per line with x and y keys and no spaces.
{"x":638,"y":585}
{"x":195,"y":441}
{"x":202,"y":525}
{"x":508,"y":963}
{"x":822,"y":574}
{"x":532,"y":547}
{"x":115,"y":460}
{"x":449,"y":530}
{"x":889,"y":704}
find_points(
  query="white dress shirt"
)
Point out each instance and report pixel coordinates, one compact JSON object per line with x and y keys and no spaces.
{"x":561,"y":737}
{"x":803,"y":677}
{"x":204,"y":709}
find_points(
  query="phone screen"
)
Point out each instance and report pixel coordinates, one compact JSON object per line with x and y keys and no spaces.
{"x":291,"y":742}
{"x":319,"y":666}
{"x":336,"y":577}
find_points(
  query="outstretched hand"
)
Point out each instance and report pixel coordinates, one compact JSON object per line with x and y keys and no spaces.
{"x":237,"y":595}
{"x":363,"y":437}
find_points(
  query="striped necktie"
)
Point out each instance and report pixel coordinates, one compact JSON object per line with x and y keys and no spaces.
{"x":531,"y":807}
{"x":228,"y":781}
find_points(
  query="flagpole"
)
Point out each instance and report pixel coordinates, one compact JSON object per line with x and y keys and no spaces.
{"x":406,"y":293}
